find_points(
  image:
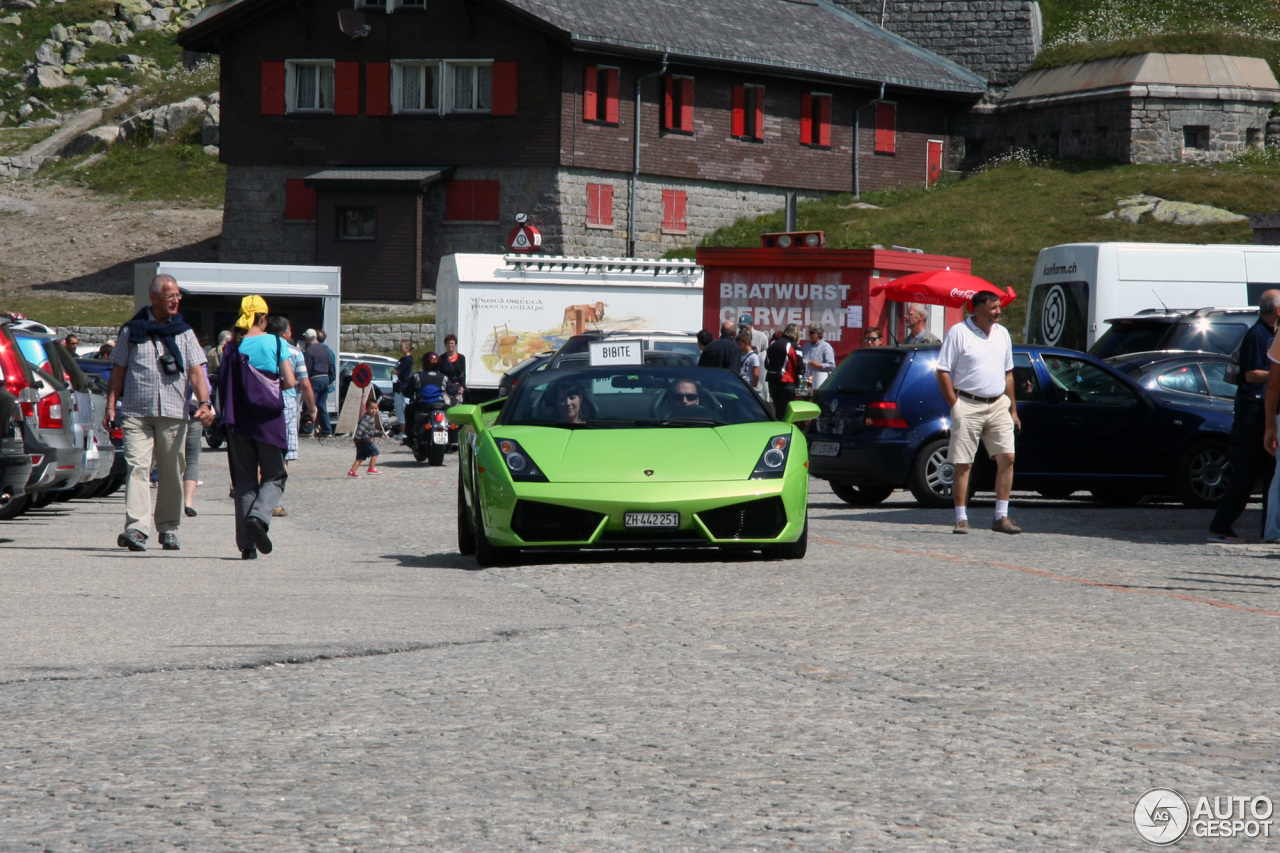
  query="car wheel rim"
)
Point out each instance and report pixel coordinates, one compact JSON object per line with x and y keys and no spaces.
{"x":1208,"y":473}
{"x":940,"y":474}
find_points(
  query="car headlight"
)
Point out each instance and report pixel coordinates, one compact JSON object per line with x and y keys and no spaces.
{"x":773,"y":461}
{"x":519,"y":465}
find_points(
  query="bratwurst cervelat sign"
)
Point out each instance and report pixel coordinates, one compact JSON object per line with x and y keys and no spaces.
{"x":829,"y":286}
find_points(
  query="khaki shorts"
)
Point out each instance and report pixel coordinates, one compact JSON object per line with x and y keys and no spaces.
{"x":970,"y":420}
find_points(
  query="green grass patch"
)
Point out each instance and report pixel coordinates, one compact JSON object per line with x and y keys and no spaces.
{"x":1001,"y":218}
{"x":177,"y":170}
{"x":56,"y":309}
{"x":363,"y":318}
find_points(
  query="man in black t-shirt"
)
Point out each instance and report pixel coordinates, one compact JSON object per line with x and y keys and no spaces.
{"x":1248,"y":456}
{"x":723,"y":352}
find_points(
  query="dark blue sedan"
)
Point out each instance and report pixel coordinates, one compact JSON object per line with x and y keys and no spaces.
{"x":1085,"y":425}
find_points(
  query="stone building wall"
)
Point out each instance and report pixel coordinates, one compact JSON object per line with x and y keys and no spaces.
{"x":254,"y":229}
{"x":995,"y":38}
{"x":1135,"y":129}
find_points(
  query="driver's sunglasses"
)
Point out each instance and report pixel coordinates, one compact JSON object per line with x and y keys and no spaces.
{"x":685,"y":397}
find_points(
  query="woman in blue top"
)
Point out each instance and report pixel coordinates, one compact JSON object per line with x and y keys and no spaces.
{"x":256,"y":444}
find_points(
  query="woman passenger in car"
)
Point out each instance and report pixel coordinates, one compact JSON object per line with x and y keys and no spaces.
{"x":569,"y":396}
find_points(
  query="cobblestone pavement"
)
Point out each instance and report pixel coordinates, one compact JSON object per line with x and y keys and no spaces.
{"x":365,"y":688}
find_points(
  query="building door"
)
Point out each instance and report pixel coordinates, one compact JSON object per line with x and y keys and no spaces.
{"x":934,"y":158}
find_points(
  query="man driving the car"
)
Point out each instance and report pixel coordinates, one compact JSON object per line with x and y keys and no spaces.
{"x":684,"y":393}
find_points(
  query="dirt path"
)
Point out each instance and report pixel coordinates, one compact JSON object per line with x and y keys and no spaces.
{"x":69,"y":239}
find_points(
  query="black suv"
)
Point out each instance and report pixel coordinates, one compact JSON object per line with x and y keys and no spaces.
{"x":1205,"y":329}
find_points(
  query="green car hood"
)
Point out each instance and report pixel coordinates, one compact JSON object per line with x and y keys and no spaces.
{"x":672,"y":454}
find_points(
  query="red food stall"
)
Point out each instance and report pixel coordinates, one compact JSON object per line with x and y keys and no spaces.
{"x":805,"y":284}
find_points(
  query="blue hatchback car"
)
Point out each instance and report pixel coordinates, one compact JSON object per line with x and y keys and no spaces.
{"x":1085,"y":425}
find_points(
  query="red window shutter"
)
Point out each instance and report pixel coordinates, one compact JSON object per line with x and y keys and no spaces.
{"x":590,"y":109}
{"x":457,"y":201}
{"x":346,"y":88}
{"x":668,"y":103}
{"x":824,"y":120}
{"x":606,"y":204}
{"x":759,"y":126}
{"x":686,"y":104}
{"x":299,"y":200}
{"x":506,"y":89}
{"x":485,"y":203}
{"x":611,"y":98}
{"x":806,"y":119}
{"x":377,"y":88}
{"x":739,"y":126}
{"x":593,"y":204}
{"x":886,"y":134}
{"x":673,"y":208}
{"x":273,"y":88}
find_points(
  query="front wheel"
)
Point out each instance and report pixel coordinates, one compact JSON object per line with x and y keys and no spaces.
{"x":790,"y":550}
{"x":11,"y":507}
{"x":861,"y":495}
{"x":488,"y":554}
{"x":932,"y":475}
{"x":466,"y":535}
{"x":1203,"y":473}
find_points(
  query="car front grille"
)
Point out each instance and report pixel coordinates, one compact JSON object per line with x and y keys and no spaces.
{"x":538,"y":522}
{"x":758,"y":519}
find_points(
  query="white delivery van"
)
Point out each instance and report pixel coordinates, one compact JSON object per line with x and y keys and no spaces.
{"x":505,"y":308}
{"x":1077,"y":287}
{"x":311,"y":297}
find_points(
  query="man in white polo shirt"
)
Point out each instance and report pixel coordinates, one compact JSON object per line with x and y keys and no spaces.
{"x":975,"y":373}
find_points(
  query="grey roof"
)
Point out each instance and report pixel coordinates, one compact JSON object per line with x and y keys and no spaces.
{"x":378,"y":177}
{"x":804,"y":37}
{"x":792,"y":38}
{"x":1211,"y":76}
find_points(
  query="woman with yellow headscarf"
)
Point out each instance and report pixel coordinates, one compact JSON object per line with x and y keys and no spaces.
{"x":256,"y":442}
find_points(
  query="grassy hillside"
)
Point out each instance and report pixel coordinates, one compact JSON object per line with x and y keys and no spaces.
{"x":1002,"y":217}
{"x":1078,"y":30}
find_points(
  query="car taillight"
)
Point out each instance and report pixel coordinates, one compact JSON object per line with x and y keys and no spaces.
{"x":885,"y":414}
{"x":117,"y":434}
{"x":49,"y":411}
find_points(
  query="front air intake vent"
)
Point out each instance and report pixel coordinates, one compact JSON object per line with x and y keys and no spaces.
{"x":759,"y":519}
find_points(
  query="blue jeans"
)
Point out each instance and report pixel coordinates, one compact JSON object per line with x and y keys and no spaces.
{"x":320,"y":385}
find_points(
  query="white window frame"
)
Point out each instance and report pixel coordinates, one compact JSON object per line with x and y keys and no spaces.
{"x":292,"y":67}
{"x":452,"y":67}
{"x":373,"y":4}
{"x":397,"y":81}
{"x":447,"y":71}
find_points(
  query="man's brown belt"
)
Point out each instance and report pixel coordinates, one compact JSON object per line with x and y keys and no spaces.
{"x":976,"y":397}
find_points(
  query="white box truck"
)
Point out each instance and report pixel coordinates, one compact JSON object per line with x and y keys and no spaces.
{"x":505,"y":308}
{"x":311,"y":297}
{"x":1077,"y":287}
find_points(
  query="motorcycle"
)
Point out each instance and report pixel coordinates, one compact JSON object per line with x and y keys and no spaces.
{"x":428,"y":432}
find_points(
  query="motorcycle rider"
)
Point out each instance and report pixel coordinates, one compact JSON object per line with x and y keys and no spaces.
{"x":426,"y":391}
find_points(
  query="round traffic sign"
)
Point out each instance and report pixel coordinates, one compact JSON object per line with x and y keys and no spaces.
{"x":362,"y":376}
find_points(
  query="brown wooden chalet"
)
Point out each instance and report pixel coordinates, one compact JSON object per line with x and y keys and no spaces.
{"x":383,"y":134}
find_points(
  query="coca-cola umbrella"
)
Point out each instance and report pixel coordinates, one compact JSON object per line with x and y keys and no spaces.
{"x":940,"y":287}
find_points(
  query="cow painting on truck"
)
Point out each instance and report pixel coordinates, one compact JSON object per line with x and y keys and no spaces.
{"x":506,"y":308}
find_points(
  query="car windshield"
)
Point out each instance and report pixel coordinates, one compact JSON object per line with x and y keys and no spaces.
{"x":1130,"y":337}
{"x":381,"y":370}
{"x":633,"y":396}
{"x":867,"y":371}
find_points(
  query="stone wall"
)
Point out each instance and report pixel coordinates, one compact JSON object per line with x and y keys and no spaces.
{"x":1134,"y":129}
{"x":254,"y":230}
{"x":386,"y":337}
{"x":995,"y":38}
{"x":370,"y":338}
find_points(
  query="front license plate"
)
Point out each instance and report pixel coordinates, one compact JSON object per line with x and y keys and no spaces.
{"x":652,"y":519}
{"x":824,"y":448}
{"x":439,"y":438}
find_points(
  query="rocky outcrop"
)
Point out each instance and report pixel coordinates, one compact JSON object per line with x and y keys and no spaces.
{"x":1133,"y":208}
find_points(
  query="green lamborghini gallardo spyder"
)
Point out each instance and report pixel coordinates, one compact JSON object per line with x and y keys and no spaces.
{"x":632,"y":456}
